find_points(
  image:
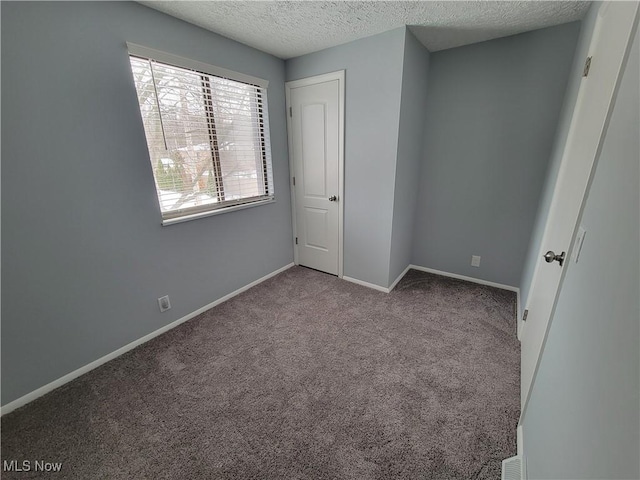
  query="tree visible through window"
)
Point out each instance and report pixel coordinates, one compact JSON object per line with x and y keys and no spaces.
{"x":207,"y":136}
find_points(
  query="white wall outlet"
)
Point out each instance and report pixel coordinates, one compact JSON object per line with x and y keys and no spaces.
{"x":475,"y":260}
{"x":164,"y":303}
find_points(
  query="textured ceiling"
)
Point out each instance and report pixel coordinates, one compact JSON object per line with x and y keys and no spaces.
{"x":289,"y":29}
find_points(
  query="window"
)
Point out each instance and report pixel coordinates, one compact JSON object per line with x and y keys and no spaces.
{"x":207,"y":132}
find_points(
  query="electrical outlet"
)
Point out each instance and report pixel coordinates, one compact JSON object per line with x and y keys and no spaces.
{"x":164,"y":303}
{"x":475,"y":260}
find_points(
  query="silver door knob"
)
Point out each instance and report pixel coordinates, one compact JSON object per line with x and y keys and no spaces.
{"x":550,"y":257}
{"x":333,"y":198}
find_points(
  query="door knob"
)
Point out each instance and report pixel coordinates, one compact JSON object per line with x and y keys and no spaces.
{"x":550,"y":256}
{"x":333,"y":198}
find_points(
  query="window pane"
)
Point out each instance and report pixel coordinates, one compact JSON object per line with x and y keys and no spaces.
{"x":177,"y":134}
{"x":239,"y":138}
{"x":207,"y":137}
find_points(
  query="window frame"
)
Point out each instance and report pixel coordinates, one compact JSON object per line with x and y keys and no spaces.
{"x":193,"y":213}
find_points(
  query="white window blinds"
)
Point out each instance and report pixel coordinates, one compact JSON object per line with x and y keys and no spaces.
{"x":208,"y":136}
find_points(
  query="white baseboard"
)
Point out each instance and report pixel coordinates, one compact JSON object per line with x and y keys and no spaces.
{"x":468,"y":279}
{"x":366,"y":284}
{"x":29,"y":397}
{"x":404,"y":272}
{"x":436,"y":272}
{"x":378,"y":287}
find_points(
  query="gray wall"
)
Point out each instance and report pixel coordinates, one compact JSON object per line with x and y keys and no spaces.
{"x":492,"y":113}
{"x":583,"y":418}
{"x":372,"y":110}
{"x":84,"y":257}
{"x":575,"y":77}
{"x":410,"y":143}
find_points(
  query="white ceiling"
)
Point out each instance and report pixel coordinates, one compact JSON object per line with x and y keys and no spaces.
{"x":288,"y":29}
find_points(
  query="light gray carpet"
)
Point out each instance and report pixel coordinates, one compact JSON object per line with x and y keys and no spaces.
{"x":302,"y":377}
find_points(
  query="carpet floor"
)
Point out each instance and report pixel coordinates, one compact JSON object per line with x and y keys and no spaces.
{"x":304,"y":376}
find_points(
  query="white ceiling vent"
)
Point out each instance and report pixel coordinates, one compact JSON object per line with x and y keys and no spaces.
{"x":512,"y":468}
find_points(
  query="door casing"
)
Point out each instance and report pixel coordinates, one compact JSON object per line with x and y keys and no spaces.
{"x":574,"y":177}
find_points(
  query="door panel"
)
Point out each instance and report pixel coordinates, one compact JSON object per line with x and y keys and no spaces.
{"x":608,"y":49}
{"x":314,"y":158}
{"x":314,"y":137}
{"x":316,"y":223}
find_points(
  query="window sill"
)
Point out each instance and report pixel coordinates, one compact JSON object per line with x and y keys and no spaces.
{"x":196,"y":216}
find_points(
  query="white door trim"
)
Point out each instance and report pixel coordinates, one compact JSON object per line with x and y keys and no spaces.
{"x":339,"y":75}
{"x":629,"y":11}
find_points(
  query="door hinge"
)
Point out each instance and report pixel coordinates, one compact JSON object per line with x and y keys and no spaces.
{"x":296,"y":240}
{"x":290,"y":112}
{"x":294,"y":181}
{"x":587,"y":67}
{"x":525,"y":314}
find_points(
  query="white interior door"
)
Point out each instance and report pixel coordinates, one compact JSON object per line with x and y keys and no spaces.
{"x":608,"y":50}
{"x":315,"y":145}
